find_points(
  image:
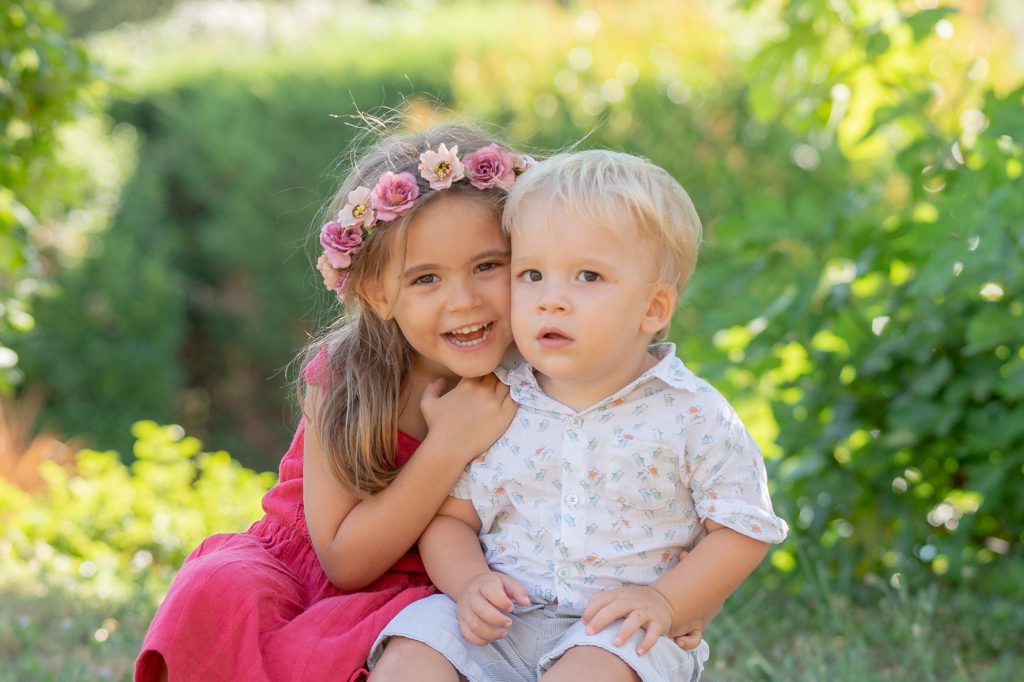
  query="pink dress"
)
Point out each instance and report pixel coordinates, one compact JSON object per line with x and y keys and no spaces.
{"x":257,"y":605}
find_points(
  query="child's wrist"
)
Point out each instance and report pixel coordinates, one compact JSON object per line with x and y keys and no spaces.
{"x":672,"y":626}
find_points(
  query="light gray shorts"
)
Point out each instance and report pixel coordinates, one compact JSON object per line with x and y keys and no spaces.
{"x":537,"y":638}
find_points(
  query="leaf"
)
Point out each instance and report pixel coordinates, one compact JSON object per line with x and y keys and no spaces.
{"x":922,"y":23}
{"x":993,"y":327}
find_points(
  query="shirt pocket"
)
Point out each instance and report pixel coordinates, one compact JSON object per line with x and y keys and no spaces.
{"x":639,"y":474}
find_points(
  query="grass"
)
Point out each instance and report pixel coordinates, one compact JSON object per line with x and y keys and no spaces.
{"x":761,"y":635}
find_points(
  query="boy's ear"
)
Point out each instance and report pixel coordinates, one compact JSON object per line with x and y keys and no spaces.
{"x":660,"y":307}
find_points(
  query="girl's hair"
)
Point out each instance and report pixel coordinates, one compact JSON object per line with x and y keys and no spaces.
{"x":369,"y":358}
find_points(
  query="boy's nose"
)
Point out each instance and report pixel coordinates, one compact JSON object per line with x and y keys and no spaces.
{"x":552,"y":302}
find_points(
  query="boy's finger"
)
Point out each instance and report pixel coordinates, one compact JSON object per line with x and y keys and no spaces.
{"x":494,"y":592}
{"x":484,"y":619}
{"x":605,"y":617}
{"x":632,"y":623}
{"x":596,"y":603}
{"x":652,"y":630}
{"x":515,"y":590}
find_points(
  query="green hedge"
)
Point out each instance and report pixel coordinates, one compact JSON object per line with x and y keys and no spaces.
{"x":859,"y":296}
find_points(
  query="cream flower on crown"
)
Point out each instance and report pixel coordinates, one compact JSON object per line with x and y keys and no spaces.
{"x":358,"y":209}
{"x":441,"y":168}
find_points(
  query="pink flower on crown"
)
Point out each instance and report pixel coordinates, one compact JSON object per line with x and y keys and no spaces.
{"x":333,"y":279}
{"x":340,"y":243}
{"x":441,"y":168}
{"x":489,"y":166}
{"x":358,"y":209}
{"x":522,"y":163}
{"x":394,"y":194}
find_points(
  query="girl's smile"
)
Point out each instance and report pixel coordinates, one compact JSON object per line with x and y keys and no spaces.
{"x":451,"y":291}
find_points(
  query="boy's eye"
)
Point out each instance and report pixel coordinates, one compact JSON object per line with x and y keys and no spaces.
{"x":588,"y":276}
{"x":425,"y":279}
{"x":530,"y":276}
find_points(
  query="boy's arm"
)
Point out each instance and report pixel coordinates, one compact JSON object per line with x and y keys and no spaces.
{"x":455,"y":562}
{"x":450,"y":548}
{"x":686,"y":596}
{"x":697,"y":586}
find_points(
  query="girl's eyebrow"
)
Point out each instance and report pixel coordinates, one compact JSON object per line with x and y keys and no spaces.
{"x":429,"y":267}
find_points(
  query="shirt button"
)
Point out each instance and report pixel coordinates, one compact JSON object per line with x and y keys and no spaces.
{"x":572,"y":500}
{"x":563,"y":572}
{"x":577,"y":422}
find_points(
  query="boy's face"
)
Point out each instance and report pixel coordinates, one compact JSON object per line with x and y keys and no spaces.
{"x":585,"y":301}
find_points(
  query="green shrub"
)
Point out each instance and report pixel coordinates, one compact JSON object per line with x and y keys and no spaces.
{"x":111,"y":532}
{"x":45,"y":82}
{"x":859,"y":296}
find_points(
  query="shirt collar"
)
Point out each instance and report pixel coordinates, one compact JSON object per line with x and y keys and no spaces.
{"x":525,"y":390}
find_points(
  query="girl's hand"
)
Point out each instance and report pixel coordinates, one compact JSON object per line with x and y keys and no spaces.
{"x":691,"y":640}
{"x":471,"y":416}
{"x":483,"y":607}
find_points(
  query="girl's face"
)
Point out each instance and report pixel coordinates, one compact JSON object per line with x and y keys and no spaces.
{"x":450,"y":292}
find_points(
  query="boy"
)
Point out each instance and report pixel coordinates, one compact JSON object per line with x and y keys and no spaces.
{"x":619,"y":457}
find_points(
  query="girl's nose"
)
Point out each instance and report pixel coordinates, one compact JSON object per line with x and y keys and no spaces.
{"x":463,"y":296}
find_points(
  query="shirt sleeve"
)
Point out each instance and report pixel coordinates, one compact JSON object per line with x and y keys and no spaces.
{"x":317,"y":371}
{"x":728,"y":480}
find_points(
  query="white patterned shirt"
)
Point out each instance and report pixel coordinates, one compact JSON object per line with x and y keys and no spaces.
{"x":572,"y":504}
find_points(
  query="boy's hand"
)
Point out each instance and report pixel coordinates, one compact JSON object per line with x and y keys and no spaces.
{"x":641,"y":607}
{"x":484,"y":605}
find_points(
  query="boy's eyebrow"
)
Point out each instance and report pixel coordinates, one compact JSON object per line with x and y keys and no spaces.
{"x":428,"y":267}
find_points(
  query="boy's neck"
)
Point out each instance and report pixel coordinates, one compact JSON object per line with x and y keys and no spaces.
{"x":581,"y":393}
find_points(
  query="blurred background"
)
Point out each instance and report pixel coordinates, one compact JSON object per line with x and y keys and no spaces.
{"x":858,"y":167}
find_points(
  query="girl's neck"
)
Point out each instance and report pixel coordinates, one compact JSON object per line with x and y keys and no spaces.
{"x":410,"y":416}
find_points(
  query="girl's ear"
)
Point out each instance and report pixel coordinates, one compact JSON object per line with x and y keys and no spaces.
{"x":660,"y":307}
{"x":374,"y":295}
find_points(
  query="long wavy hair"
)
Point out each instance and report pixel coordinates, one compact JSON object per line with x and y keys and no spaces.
{"x":369,"y":358}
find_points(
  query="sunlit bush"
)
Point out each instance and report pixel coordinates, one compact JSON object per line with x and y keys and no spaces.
{"x":101,"y":529}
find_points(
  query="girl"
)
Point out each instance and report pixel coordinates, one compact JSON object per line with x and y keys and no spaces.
{"x":418,"y":256}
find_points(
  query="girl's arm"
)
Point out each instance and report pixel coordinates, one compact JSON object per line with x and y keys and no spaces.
{"x":357,"y":540}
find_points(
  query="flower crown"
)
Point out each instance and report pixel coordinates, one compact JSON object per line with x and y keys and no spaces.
{"x":395,"y":194}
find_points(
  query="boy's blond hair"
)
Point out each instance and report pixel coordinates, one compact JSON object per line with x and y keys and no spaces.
{"x":608,"y":188}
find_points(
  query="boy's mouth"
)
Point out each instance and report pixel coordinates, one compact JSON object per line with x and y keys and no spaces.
{"x":470,"y":335}
{"x":550,"y":337}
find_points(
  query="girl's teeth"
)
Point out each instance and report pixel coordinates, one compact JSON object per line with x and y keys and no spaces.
{"x":468,"y":330}
{"x":479,"y":332}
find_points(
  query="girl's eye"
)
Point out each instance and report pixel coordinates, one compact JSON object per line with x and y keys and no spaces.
{"x":530,"y":276}
{"x":484,"y":267}
{"x":425,"y":279}
{"x":588,"y":276}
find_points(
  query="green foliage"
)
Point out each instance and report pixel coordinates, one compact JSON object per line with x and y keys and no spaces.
{"x":45,"y":81}
{"x":858,"y":167}
{"x":112,"y":532}
{"x":860,"y":294}
{"x":204,"y":281}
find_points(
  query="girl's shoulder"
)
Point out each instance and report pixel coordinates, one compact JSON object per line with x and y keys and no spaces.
{"x":316,"y":372}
